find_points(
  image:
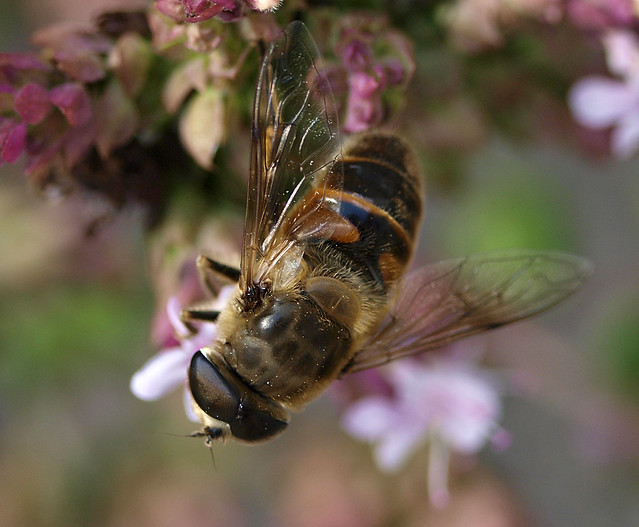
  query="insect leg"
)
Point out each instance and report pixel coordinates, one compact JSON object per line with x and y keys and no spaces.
{"x":199,"y":314}
{"x":206,"y":265}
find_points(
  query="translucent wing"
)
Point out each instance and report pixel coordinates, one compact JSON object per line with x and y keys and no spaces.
{"x":448,"y":300}
{"x":295,"y":178}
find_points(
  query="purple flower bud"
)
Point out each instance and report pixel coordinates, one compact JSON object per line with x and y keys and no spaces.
{"x":355,"y":53}
{"x":12,"y":140}
{"x":32,"y":103}
{"x":231,"y":15}
{"x":200,"y":10}
{"x":73,"y":101}
{"x":194,"y":10}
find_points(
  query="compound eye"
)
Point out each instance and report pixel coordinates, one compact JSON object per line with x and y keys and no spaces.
{"x":211,"y":391}
{"x":256,"y":425}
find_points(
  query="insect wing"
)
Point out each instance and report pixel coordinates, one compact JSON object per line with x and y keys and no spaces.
{"x":445,"y":301}
{"x":295,"y":180}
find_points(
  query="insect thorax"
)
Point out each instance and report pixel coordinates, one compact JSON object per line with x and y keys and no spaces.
{"x":287,"y":348}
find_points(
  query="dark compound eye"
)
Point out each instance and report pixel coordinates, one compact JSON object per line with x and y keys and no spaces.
{"x":211,"y":390}
{"x":226,"y":399}
{"x":255,"y":424}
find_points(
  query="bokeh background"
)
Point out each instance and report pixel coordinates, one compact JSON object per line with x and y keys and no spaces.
{"x":77,"y":448}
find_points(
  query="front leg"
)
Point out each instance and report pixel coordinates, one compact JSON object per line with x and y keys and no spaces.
{"x":206,"y":266}
{"x":197,"y":313}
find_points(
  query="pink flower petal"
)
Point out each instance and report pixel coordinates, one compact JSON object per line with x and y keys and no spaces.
{"x":397,"y":446}
{"x":161,"y":374}
{"x":622,"y":53}
{"x":200,"y":10}
{"x":32,"y":103}
{"x":363,"y":84}
{"x":74,"y":102}
{"x":187,"y":399}
{"x":22,"y":61}
{"x":173,"y":310}
{"x":625,"y":138}
{"x":598,"y":102}
{"x":369,"y":418}
{"x":14,"y":143}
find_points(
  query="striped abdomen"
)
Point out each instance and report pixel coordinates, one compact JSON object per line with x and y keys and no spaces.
{"x":382,"y":198}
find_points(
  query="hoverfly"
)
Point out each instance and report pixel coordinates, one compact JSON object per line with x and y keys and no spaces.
{"x":322,"y":290}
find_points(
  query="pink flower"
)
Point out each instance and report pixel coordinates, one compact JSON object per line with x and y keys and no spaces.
{"x":168,"y":369}
{"x":12,"y":140}
{"x":364,"y":105}
{"x":193,"y":10}
{"x":74,"y":102}
{"x":374,"y":59}
{"x":32,"y":103}
{"x":201,"y":10}
{"x":448,"y":403}
{"x":601,"y":102}
{"x":601,"y":14}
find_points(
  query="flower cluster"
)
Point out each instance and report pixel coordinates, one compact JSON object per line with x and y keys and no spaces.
{"x":51,"y":120}
{"x":194,"y":11}
{"x":74,"y":111}
{"x":95,"y":110}
{"x":373,"y":60}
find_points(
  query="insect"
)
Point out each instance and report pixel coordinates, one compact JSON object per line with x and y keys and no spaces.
{"x":322,"y":290}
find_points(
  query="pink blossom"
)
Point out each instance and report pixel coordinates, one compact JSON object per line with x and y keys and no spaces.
{"x":32,"y":103}
{"x":374,"y":59}
{"x":601,"y":14}
{"x":354,"y":50}
{"x":201,"y":10}
{"x":12,"y":140}
{"x":198,"y":10}
{"x":168,"y":369}
{"x":364,"y":105}
{"x":602,"y":102}
{"x":73,"y":101}
{"x":449,"y":404}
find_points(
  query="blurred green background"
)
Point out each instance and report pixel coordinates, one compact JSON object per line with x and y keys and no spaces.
{"x":77,"y":448}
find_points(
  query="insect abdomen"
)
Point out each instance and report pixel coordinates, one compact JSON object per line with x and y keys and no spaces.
{"x":382,"y":198}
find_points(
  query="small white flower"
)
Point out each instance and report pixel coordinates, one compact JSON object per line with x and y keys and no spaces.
{"x":601,"y":102}
{"x":449,"y":404}
{"x":168,"y":369}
